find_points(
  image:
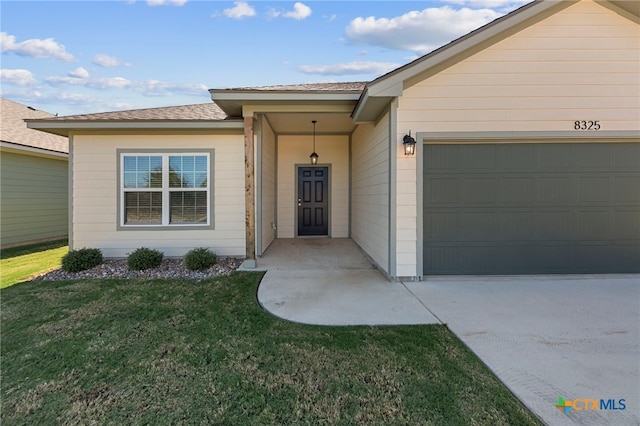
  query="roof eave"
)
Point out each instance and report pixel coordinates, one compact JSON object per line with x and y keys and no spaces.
{"x":232,"y":101}
{"x":32,"y":150}
{"x":63,"y":127}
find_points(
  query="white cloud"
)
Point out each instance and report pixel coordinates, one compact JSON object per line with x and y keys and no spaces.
{"x":349,"y":68}
{"x":300,"y":11}
{"x":18,"y":77}
{"x":241,"y":9}
{"x":418,"y":31}
{"x":94,"y":83}
{"x":79,"y":73}
{"x":145,"y":87}
{"x":166,"y":2}
{"x":103,"y":60}
{"x":35,"y":48}
{"x":491,"y":4}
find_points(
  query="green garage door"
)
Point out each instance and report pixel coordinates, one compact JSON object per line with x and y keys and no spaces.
{"x":531,"y":208}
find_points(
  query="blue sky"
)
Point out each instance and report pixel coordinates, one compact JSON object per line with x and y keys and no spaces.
{"x":77,"y":57}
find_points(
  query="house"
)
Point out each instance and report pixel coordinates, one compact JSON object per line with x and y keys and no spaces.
{"x":33,"y":179}
{"x":527,"y":157}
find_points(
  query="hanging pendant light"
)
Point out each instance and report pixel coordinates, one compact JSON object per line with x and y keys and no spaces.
{"x":314,"y":156}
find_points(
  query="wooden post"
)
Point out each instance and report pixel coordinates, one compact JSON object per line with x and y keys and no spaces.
{"x":249,"y":177}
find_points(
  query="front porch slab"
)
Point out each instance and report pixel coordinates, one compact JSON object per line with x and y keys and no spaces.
{"x":328,"y":281}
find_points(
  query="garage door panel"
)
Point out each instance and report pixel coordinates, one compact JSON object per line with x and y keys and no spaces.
{"x":594,"y":225}
{"x":554,"y":157}
{"x":626,"y":225}
{"x":476,"y":158}
{"x":442,"y":226}
{"x":594,"y":156}
{"x":556,"y":225}
{"x":478,"y":190}
{"x":554,"y":190}
{"x":594,"y":190}
{"x":626,"y":189}
{"x":478,"y":226}
{"x":531,"y":208}
{"x":442,"y":190}
{"x":521,"y":158}
{"x":627,"y":158}
{"x":517,"y":226}
{"x":517,"y":190}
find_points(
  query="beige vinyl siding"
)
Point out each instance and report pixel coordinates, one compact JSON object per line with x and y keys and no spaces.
{"x":33,"y":199}
{"x":370,"y":190}
{"x":268,"y":185}
{"x":333,"y":151}
{"x":579,"y":64}
{"x":96,"y":192}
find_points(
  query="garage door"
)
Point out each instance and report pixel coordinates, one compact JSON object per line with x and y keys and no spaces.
{"x":531,"y":208}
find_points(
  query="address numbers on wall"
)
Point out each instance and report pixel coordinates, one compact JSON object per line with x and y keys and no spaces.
{"x":586,"y":125}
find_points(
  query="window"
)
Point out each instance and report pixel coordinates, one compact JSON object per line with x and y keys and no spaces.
{"x":165,"y":189}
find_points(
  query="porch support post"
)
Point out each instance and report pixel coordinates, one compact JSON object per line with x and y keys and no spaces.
{"x":249,"y":196}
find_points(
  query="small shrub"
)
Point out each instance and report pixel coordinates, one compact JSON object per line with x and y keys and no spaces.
{"x":199,"y":259}
{"x":144,"y":258}
{"x":81,"y":260}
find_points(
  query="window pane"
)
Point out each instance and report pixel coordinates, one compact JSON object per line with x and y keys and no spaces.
{"x":143,"y":208}
{"x":185,"y":171}
{"x":138,"y":171}
{"x":188,"y":207}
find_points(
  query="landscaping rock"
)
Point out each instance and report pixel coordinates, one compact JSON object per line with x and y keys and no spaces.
{"x":170,"y":268}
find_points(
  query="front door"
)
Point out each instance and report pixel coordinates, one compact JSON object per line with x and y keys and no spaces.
{"x":313,"y":201}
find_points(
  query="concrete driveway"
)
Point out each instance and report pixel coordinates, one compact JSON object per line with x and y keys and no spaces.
{"x":576,"y":337}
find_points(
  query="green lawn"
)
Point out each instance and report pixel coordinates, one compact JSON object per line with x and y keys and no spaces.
{"x":21,"y":263}
{"x":204,"y":352}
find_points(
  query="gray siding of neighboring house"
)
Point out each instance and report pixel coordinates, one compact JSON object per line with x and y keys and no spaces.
{"x":33,"y":199}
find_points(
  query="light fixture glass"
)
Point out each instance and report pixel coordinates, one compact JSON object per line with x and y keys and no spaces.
{"x":314,"y":156}
{"x":409,"y":144}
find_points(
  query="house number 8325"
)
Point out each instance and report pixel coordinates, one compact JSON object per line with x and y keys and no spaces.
{"x":586,"y":125}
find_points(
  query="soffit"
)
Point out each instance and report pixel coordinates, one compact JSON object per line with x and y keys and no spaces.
{"x":300,"y":123}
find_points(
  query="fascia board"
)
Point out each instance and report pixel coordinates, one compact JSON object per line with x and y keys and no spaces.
{"x":64,"y":127}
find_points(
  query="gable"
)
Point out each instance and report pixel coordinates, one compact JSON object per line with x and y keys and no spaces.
{"x":581,"y":63}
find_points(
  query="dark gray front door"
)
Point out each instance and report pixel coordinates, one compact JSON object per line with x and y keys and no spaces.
{"x":532,"y":208}
{"x":313,"y":201}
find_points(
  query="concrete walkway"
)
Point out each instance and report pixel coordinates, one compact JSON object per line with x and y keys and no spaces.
{"x":576,"y":337}
{"x":330,"y":282}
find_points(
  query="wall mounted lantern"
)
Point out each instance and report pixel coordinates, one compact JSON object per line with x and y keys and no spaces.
{"x":314,"y":156}
{"x":409,"y":144}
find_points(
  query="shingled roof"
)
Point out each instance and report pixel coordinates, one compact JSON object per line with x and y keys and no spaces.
{"x":14,"y":130}
{"x":354,"y":86}
{"x":208,"y":111}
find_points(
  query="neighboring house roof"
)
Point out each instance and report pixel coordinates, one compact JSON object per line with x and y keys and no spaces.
{"x":15,"y":134}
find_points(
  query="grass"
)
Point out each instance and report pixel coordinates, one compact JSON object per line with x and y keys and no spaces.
{"x":22,"y":263}
{"x":204,"y":352}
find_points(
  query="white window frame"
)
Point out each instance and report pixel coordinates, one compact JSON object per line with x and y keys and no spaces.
{"x":165,"y":190}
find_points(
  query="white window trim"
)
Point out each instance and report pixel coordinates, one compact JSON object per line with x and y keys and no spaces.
{"x":165,"y":190}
